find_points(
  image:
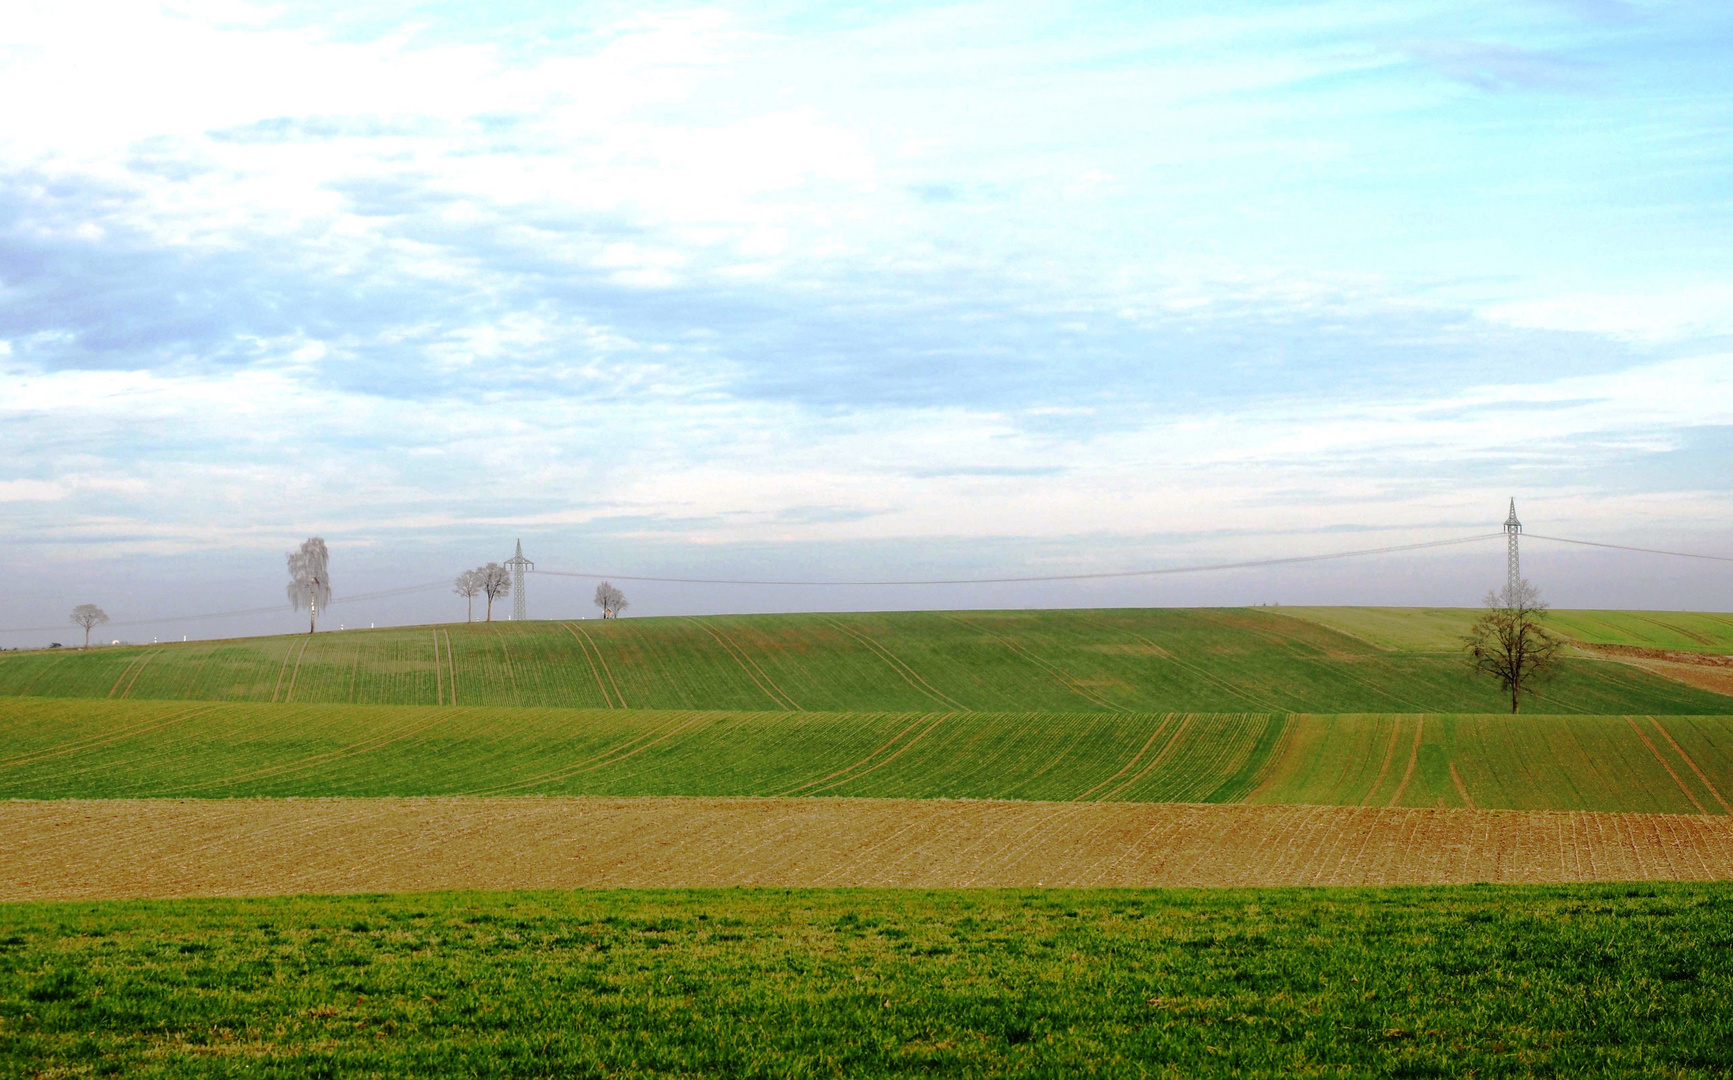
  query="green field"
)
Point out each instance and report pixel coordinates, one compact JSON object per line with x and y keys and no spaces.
{"x":1121,"y":660}
{"x":1472,"y":981}
{"x":133,"y":749}
{"x":1437,"y":630}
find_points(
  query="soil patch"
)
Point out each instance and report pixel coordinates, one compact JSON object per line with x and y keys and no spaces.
{"x":118,"y":848}
{"x":1705,"y":671}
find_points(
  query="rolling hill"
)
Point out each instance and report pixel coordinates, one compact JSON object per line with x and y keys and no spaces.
{"x":59,"y":749}
{"x":1117,"y":660}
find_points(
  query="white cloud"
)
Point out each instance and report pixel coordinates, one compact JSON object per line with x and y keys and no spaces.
{"x":1677,"y":314}
{"x":31,"y":491}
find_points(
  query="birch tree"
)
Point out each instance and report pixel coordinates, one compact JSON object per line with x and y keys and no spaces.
{"x":495,"y":582}
{"x":611,"y":600}
{"x":1509,"y":643}
{"x":87,"y":616}
{"x":467,"y":585}
{"x":310,"y":579}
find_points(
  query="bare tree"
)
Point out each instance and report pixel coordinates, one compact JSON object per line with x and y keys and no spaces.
{"x":310,"y":579}
{"x":467,"y":585}
{"x":1509,"y":643}
{"x":87,"y":616}
{"x":495,"y":582}
{"x":611,"y":600}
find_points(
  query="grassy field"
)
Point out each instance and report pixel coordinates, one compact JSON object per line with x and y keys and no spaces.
{"x":1122,"y":660}
{"x":1438,"y":630}
{"x":1489,"y":982}
{"x":134,"y":749}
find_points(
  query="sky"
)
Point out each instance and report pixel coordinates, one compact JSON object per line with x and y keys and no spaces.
{"x":840,"y":291}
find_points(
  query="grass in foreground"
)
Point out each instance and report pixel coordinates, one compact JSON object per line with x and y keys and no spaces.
{"x":1580,"y":982}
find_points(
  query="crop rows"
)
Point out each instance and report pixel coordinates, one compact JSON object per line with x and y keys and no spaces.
{"x":120,"y":848}
{"x":142,"y":749}
{"x":1110,"y":661}
{"x":1441,"y":629}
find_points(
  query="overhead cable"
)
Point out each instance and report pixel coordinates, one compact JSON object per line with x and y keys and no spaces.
{"x":1197,"y":569}
{"x":1627,"y":547}
{"x":272,"y":610}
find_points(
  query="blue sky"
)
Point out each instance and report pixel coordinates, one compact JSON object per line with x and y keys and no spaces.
{"x":883,"y":289}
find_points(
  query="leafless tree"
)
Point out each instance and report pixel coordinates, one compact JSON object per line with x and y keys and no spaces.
{"x":87,"y":616}
{"x":611,"y":600}
{"x":310,"y":579}
{"x":495,"y":582}
{"x":467,"y":585}
{"x":1509,"y":643}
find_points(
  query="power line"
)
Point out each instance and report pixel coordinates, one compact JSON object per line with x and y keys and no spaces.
{"x":1201,"y":568}
{"x":1627,"y":547}
{"x":272,"y":610}
{"x":1290,"y":560}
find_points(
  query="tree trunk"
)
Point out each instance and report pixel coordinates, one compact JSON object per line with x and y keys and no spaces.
{"x":490,"y":607}
{"x":471,"y":616}
{"x":87,"y":637}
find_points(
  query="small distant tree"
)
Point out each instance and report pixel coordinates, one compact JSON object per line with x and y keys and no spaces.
{"x":611,"y":600}
{"x":467,"y":585}
{"x":495,"y":582}
{"x":87,"y":616}
{"x":310,"y":579}
{"x":1509,"y":643}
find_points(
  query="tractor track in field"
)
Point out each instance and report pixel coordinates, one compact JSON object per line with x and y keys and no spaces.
{"x":900,"y":751}
{"x":1678,"y":781}
{"x":376,"y":741}
{"x":587,"y":640}
{"x":1166,"y":722}
{"x":1389,"y":756}
{"x":505,"y":653}
{"x":1155,"y":762}
{"x":894,"y":739}
{"x":438,"y":676}
{"x":1692,"y":762}
{"x":759,"y":677}
{"x":1413,"y":763}
{"x":451,"y":667}
{"x":289,"y":694}
{"x":76,"y":849}
{"x":901,"y":667}
{"x":1059,"y":674}
{"x":140,"y":661}
{"x":602,"y":759}
{"x":105,"y":739}
{"x":594,"y":670}
{"x":1202,"y":672}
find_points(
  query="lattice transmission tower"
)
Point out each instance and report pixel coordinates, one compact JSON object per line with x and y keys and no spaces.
{"x":518,"y":564}
{"x":1513,"y":566}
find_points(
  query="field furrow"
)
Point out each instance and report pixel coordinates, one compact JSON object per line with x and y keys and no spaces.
{"x":79,"y":849}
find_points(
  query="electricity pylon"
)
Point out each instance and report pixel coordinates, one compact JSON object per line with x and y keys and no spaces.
{"x":518,"y":564}
{"x":1513,"y":567}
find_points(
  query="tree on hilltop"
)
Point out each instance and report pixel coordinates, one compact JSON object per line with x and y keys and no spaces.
{"x":495,"y":582}
{"x":467,"y":585}
{"x":87,"y":616}
{"x":310,"y":579}
{"x":1509,"y":643}
{"x":611,"y":600}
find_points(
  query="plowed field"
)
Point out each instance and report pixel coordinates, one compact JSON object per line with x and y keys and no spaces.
{"x":121,"y":848}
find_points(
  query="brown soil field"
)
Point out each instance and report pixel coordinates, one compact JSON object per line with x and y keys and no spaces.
{"x":1705,"y":671}
{"x":116,"y":848}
